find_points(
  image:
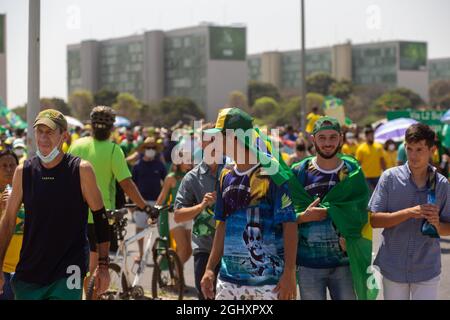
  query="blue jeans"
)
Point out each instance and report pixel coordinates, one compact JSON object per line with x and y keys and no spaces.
{"x":8,"y":293}
{"x":313,"y":283}
{"x":372,"y":183}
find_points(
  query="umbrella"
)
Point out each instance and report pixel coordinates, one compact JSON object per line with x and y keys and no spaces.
{"x":446,"y":117}
{"x":394,"y":129}
{"x":71,"y":121}
{"x":122,"y":122}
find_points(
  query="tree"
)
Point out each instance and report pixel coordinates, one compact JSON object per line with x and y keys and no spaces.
{"x":341,"y":89}
{"x":413,"y":97}
{"x":438,"y":90}
{"x":105,"y":97}
{"x":444,"y":102}
{"x":171,"y":110}
{"x":81,"y":103}
{"x":237,"y":99}
{"x":264,"y":107}
{"x":127,"y":106}
{"x":57,"y":104}
{"x":390,"y":101}
{"x":258,"y":89}
{"x":314,"y":99}
{"x":319,"y":82}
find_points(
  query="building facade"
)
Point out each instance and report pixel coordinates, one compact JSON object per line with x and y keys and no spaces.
{"x":387,"y":64}
{"x":439,"y":69}
{"x":204,"y":63}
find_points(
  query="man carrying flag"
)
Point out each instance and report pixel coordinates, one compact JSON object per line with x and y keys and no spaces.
{"x":256,"y":237}
{"x":335,"y":239}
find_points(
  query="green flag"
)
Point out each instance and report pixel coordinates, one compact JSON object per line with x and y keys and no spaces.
{"x":9,"y":117}
{"x":347,"y":206}
{"x":268,"y":155}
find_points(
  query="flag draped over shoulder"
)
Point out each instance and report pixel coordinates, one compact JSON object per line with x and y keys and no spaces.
{"x":269,"y":156}
{"x":347,"y":206}
{"x":346,"y":203}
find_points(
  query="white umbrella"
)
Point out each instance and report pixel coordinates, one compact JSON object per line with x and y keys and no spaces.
{"x":71,"y":121}
{"x":122,"y":122}
{"x":394,"y":129}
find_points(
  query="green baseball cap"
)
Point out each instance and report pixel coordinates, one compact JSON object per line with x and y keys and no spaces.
{"x":326,"y":123}
{"x":231,"y":118}
{"x":52,"y":119}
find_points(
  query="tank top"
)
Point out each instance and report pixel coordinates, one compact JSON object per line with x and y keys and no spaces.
{"x":55,"y":228}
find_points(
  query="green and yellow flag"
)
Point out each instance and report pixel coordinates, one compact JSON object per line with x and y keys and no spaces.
{"x":347,"y":206}
{"x":346,"y":203}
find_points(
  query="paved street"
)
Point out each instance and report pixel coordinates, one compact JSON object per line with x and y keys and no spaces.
{"x":444,"y":292}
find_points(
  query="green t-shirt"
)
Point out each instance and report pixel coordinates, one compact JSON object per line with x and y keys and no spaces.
{"x":109,"y":165}
{"x":127,"y":147}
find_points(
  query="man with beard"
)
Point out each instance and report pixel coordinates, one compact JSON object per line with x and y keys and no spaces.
{"x":370,"y":155}
{"x":322,"y":260}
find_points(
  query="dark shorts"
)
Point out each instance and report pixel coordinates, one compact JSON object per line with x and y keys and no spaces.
{"x":92,"y":238}
{"x":59,"y":290}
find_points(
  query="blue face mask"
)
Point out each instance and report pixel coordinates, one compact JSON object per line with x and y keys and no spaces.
{"x":50,"y":157}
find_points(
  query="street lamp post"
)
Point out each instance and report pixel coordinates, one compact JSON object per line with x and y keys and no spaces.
{"x":33,"y":70}
{"x":303,"y":68}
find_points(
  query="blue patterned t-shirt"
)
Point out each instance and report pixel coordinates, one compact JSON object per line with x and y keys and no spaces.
{"x":318,"y":241}
{"x":254,"y":208}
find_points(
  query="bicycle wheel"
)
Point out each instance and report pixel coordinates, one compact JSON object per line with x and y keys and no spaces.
{"x":118,"y":286}
{"x":168,"y":279}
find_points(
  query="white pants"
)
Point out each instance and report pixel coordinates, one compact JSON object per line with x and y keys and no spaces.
{"x":231,"y":291}
{"x":425,"y":290}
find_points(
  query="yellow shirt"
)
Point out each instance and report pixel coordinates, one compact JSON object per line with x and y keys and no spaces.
{"x":349,"y":149}
{"x":65,"y":147}
{"x":312,"y":118}
{"x":74,"y":137}
{"x":369,"y":157}
{"x":390,"y":158}
{"x":13,"y":252}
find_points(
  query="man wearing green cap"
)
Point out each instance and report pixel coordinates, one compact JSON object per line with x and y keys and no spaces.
{"x":322,"y":259}
{"x":255,"y":239}
{"x":56,"y":190}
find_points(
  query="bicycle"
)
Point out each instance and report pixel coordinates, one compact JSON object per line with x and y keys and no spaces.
{"x":167,"y":278}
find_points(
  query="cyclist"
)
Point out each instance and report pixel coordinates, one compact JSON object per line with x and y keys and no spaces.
{"x":148,"y":174}
{"x":56,"y":189}
{"x":109,"y":165}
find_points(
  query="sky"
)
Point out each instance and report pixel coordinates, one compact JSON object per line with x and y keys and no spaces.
{"x":271,"y":25}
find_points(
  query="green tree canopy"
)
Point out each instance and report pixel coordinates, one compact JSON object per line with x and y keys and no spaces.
{"x":413,"y":97}
{"x":257,"y":89}
{"x":105,"y":97}
{"x":171,"y":110}
{"x":81,"y":103}
{"x":128,"y":106}
{"x":341,"y":89}
{"x":319,"y":82}
{"x":438,"y":90}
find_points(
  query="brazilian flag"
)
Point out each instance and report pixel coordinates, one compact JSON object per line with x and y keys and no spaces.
{"x":346,"y":204}
{"x":9,"y":117}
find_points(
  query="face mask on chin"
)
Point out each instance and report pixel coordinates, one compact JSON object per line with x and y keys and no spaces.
{"x":19,"y":152}
{"x":150,"y":153}
{"x":51,"y":156}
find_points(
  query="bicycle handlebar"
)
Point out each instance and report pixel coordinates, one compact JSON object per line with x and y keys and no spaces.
{"x":118,"y":214}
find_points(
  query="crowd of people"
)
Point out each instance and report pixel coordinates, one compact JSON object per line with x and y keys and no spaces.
{"x":252,"y":235}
